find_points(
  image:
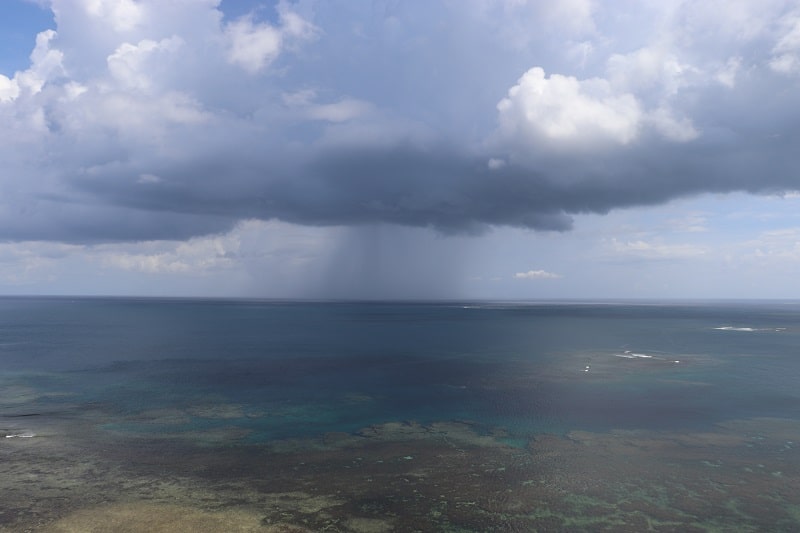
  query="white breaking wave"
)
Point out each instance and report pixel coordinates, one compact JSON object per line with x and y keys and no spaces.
{"x":627,"y":354}
{"x":21,"y":436}
{"x":734,"y":328}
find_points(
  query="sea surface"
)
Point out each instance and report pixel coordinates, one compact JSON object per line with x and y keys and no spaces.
{"x":121,"y":414}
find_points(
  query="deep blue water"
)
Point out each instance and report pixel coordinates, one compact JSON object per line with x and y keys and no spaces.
{"x":298,"y":369}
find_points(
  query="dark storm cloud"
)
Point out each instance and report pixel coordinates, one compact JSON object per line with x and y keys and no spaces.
{"x":452,"y":192}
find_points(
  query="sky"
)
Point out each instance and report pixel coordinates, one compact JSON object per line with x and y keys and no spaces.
{"x":373,"y":149}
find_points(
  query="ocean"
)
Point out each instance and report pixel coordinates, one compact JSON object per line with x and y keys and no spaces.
{"x":124,"y":414}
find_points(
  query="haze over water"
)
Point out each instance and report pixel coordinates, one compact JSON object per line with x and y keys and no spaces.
{"x":382,"y":416}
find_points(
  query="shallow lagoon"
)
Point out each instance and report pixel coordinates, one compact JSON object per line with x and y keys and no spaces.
{"x":179,"y":415}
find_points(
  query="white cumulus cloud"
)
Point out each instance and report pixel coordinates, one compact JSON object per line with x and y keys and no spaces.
{"x":123,"y":15}
{"x":563,"y":108}
{"x":9,"y":89}
{"x":130,"y":64}
{"x":536,"y":274}
{"x":254,"y":46}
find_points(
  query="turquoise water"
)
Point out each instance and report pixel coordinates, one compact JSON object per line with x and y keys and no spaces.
{"x":649,"y":387}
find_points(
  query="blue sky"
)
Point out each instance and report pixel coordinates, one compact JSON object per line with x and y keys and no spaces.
{"x":383,"y":149}
{"x":18,"y":28}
